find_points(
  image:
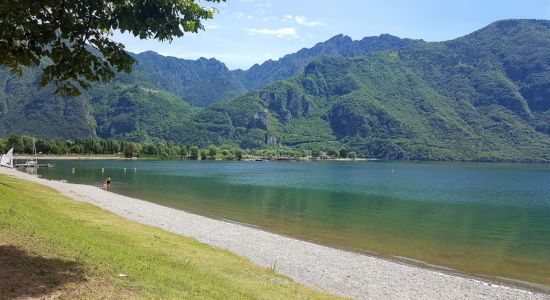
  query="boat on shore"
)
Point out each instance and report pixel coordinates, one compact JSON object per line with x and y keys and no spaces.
{"x":7,"y":159}
{"x":32,"y":163}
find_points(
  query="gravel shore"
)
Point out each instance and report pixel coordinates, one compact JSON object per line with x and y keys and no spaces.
{"x":336,"y":271}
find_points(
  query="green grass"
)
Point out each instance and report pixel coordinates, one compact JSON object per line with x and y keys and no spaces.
{"x":64,"y":247}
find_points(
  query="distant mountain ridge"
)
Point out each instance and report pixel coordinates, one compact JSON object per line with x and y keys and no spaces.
{"x":207,"y":81}
{"x":259,"y":76}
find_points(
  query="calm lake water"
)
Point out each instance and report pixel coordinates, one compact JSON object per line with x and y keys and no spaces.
{"x":482,"y":219}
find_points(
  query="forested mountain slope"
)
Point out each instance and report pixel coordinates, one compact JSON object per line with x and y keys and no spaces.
{"x":117,"y":110}
{"x":199,"y":82}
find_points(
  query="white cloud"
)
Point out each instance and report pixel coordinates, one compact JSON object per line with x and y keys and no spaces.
{"x":279,"y":33}
{"x":240,"y":16}
{"x":262,"y":8}
{"x":301,"y":20}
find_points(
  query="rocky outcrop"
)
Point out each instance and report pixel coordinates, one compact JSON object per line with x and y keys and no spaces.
{"x":260,"y":119}
{"x":270,"y":140}
{"x":290,"y":104}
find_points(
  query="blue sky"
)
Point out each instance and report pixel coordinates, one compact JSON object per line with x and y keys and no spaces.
{"x":245,"y":32}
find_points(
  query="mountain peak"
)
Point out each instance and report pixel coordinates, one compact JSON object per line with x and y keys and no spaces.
{"x":339,"y":38}
{"x":211,"y":60}
{"x":147,"y":53}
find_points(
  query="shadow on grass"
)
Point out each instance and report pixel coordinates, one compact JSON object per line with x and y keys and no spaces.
{"x":23,"y":275}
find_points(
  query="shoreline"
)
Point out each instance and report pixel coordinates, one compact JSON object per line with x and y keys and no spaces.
{"x":497,"y":281}
{"x":337,"y":271}
{"x":68,"y":157}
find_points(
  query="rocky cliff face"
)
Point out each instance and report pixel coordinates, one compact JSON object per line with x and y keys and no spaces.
{"x":288,"y":104}
{"x":260,"y":119}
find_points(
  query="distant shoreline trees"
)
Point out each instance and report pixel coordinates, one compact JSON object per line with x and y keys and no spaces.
{"x":161,"y":150}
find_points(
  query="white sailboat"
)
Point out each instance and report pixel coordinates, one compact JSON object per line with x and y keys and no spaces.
{"x":7,"y":159}
{"x":32,"y":163}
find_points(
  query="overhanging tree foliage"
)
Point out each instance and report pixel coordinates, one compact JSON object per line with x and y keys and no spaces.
{"x":70,"y":38}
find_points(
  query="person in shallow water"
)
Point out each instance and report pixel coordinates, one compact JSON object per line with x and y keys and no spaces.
{"x":106,"y":184}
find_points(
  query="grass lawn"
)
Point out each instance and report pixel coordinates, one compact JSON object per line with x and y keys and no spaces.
{"x":51,"y":245}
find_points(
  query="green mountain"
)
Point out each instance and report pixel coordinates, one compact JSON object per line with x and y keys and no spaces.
{"x":485,"y":96}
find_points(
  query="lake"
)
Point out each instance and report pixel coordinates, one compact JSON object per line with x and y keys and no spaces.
{"x":482,"y":219}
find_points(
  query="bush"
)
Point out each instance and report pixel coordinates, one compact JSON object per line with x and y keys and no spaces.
{"x":194,"y":152}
